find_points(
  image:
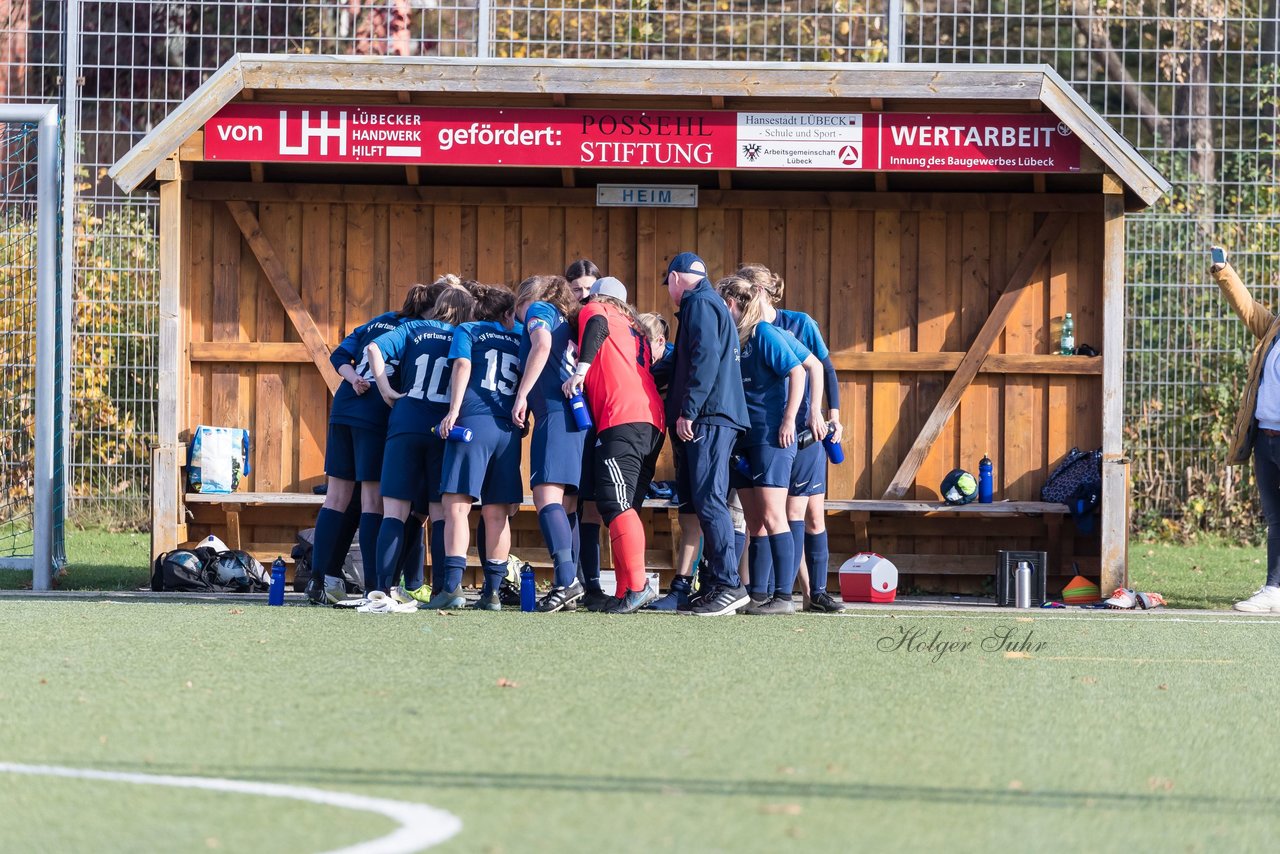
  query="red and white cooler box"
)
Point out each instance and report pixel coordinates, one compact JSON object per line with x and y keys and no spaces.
{"x":868,"y":577}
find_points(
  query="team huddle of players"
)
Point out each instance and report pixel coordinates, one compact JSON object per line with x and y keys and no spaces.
{"x":437,"y":396}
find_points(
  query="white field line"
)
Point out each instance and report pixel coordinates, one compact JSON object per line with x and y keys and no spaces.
{"x":1048,"y":614}
{"x":421,"y":826}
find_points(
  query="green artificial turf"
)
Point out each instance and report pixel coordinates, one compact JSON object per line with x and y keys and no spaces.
{"x":97,"y":559}
{"x":1210,"y":574}
{"x":579,"y":732}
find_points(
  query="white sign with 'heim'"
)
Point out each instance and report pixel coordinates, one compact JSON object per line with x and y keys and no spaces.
{"x":647,"y":195}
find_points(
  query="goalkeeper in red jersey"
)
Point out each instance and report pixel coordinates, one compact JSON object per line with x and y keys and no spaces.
{"x":613,"y":370}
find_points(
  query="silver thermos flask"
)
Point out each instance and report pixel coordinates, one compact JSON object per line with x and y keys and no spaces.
{"x":1022,"y":585}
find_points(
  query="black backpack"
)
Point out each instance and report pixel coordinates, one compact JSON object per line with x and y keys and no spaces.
{"x":1079,"y":473}
{"x":197,"y":571}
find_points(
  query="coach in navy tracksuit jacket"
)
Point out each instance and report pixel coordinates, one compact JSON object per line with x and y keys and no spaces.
{"x":706,"y":412}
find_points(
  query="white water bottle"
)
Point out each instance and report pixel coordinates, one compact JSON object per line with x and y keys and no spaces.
{"x":1022,"y":585}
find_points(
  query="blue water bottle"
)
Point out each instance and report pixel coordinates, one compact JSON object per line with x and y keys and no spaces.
{"x":276,"y":594}
{"x":985,"y":480}
{"x":581,"y":415}
{"x":835,"y":451}
{"x":456,"y":434}
{"x":528,"y":589}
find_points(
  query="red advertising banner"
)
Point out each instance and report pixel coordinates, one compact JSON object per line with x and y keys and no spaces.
{"x":641,"y":139}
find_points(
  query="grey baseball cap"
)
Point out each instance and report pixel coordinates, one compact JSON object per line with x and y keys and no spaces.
{"x":609,"y":287}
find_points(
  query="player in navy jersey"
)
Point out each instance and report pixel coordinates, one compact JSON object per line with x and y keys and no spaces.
{"x":353,"y":449}
{"x":414,"y":456}
{"x":485,"y":355}
{"x":773,"y":372}
{"x":547,"y":308}
{"x":581,"y":275}
{"x":806,"y":501}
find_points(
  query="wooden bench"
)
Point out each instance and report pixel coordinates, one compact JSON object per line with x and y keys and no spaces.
{"x":852,"y":524}
{"x":232,"y":506}
{"x":1047,"y":518}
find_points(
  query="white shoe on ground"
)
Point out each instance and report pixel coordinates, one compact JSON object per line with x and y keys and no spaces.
{"x":335,"y":589}
{"x":379,"y":603}
{"x":1265,"y":601}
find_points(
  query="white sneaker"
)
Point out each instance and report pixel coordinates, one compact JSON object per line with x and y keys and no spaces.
{"x":1265,"y":601}
{"x":335,"y":589}
{"x":401,"y":595}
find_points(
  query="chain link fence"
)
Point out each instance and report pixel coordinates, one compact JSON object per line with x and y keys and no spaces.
{"x":1192,"y":83}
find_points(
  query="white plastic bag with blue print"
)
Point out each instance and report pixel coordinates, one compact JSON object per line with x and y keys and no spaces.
{"x":218,"y":458}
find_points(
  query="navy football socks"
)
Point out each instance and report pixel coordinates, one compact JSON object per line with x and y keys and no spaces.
{"x":575,"y":538}
{"x":411,"y":553}
{"x":369,"y":525}
{"x":554,"y":522}
{"x":329,"y":525}
{"x":589,"y":555}
{"x":797,"y":544}
{"x":818,"y":555}
{"x":390,"y":539}
{"x":494,"y":572}
{"x":784,"y":566}
{"x":437,"y":556}
{"x":453,"y":568}
{"x":760,"y":562}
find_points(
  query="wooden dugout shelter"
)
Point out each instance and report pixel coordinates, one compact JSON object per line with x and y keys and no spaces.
{"x":938,"y":285}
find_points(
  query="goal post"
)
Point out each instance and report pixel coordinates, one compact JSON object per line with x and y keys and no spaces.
{"x":42,"y":433}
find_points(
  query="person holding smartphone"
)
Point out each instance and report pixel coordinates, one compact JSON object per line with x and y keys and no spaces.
{"x":1257,"y":427}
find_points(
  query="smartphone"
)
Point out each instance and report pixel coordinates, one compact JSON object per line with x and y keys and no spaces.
{"x":1218,"y":254}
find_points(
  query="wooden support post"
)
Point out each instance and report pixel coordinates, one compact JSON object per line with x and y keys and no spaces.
{"x":1115,"y":486}
{"x":288,"y":294}
{"x":861,"y":530}
{"x":233,"y":525}
{"x":166,"y":464}
{"x":166,"y":494}
{"x":1053,"y":542}
{"x":972,"y":361}
{"x":412,"y":175}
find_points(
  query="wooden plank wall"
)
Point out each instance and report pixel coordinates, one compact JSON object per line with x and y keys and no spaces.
{"x":893,"y":277}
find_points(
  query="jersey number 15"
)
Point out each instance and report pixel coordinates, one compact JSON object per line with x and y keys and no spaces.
{"x":506,"y":384}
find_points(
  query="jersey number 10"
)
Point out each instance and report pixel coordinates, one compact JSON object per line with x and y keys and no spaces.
{"x":436,"y":392}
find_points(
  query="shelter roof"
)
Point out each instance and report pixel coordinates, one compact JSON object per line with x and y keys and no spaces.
{"x":878,"y":86}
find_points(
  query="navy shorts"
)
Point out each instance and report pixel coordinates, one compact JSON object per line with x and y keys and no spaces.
{"x":555,"y":451}
{"x":487,"y":467}
{"x":770,"y":465}
{"x":411,"y":468}
{"x":809,"y":471}
{"x":354,"y":453}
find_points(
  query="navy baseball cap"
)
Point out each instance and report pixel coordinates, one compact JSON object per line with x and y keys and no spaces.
{"x":686,"y":262}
